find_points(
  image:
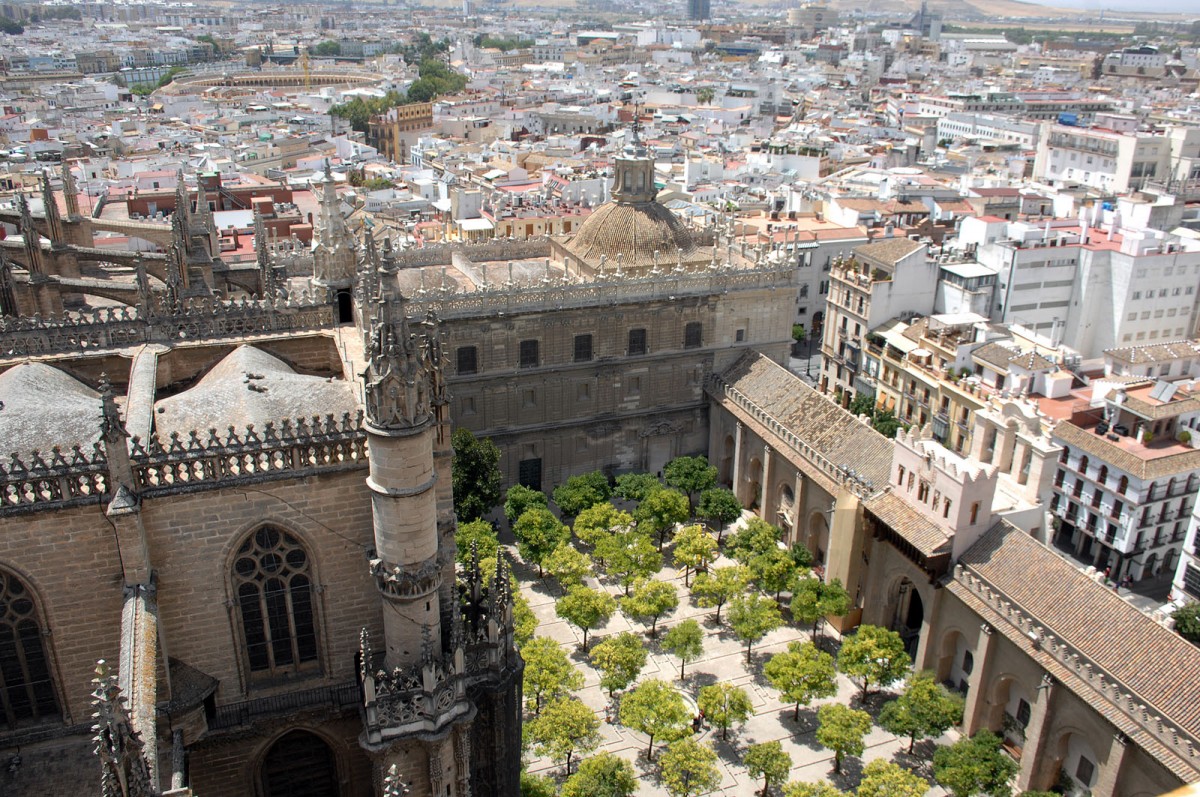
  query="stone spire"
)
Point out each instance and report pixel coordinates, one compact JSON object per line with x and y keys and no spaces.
{"x":124,"y":771}
{"x":70,"y":192}
{"x":262,"y":255}
{"x":183,"y":203}
{"x":33,"y":242}
{"x":113,"y":436}
{"x":400,"y":377}
{"x":334,"y":258}
{"x":8,"y":300}
{"x":204,"y":216}
{"x":54,"y":223}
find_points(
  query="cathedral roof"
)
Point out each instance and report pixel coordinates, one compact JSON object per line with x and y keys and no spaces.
{"x":250,"y":386}
{"x":42,"y":407}
{"x":634,"y":230}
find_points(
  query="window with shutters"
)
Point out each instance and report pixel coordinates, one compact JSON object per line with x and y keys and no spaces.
{"x":273,"y":585}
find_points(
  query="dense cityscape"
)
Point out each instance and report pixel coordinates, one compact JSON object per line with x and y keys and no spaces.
{"x":599,"y":399}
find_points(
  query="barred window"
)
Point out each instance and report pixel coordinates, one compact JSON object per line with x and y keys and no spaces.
{"x":26,"y":691}
{"x":691,"y":335}
{"x":528,"y":354}
{"x":273,"y":582}
{"x":637,"y":342}
{"x":583,"y":348}
{"x":468,"y":360}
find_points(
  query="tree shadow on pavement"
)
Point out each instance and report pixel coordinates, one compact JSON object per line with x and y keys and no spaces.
{"x":850,"y":776}
{"x":920,"y":760}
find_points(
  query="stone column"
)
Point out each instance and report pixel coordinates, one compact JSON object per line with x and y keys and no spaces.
{"x":977,"y":437}
{"x":1036,"y":736}
{"x":978,"y":705}
{"x":737,"y":460}
{"x":1006,"y":438}
{"x":799,"y":532}
{"x":1110,"y":772}
{"x":765,"y":503}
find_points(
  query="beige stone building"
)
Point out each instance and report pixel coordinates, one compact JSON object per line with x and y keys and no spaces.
{"x":244,"y":508}
{"x":1075,"y":679}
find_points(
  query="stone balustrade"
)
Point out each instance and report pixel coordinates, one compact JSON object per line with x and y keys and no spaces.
{"x":196,"y":319}
{"x":184,"y":463}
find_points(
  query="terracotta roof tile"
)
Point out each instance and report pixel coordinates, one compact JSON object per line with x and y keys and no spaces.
{"x":923,"y":533}
{"x":827,"y":428}
{"x":1146,"y":468}
{"x":1154,"y":663}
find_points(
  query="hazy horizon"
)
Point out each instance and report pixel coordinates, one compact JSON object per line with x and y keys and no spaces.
{"x":1163,"y":6}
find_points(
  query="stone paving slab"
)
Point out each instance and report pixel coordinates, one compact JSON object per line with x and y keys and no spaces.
{"x":723,"y":660}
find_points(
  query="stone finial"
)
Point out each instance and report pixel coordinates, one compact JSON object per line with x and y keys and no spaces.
{"x":112,"y":428}
{"x":364,"y":652}
{"x":124,"y":771}
{"x":401,"y":376}
{"x":33,"y":241}
{"x":54,"y":225}
{"x":393,"y":786}
{"x":70,"y":192}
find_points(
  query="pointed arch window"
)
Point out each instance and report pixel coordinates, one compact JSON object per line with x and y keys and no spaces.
{"x":272,"y":578}
{"x":26,"y":690}
{"x":300,"y":764}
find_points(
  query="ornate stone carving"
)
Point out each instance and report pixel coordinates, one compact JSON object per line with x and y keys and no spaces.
{"x":124,"y":771}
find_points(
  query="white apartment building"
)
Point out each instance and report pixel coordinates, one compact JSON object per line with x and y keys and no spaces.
{"x":883,"y":280}
{"x":989,"y":128}
{"x":1090,"y":288}
{"x":1107,"y":160}
{"x":1128,"y":474}
{"x":1186,"y":586}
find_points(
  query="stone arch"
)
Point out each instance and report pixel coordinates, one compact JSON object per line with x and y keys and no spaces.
{"x":725,"y":466}
{"x":818,"y":535}
{"x":785,"y":500}
{"x":1010,"y":706}
{"x":298,"y":762}
{"x":754,"y":490}
{"x":344,"y":307}
{"x":908,"y":613}
{"x":29,"y":692}
{"x":274,"y":608}
{"x":1071,"y":752}
{"x":950,"y":667}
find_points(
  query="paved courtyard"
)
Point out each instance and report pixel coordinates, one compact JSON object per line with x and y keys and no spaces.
{"x":724,"y":659}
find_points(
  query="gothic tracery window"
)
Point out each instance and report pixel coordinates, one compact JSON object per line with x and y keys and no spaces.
{"x":26,"y":689}
{"x":272,"y":579}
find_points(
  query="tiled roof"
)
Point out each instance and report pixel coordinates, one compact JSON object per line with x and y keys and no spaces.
{"x":824,"y":426}
{"x":1158,"y":410}
{"x":889,"y":250}
{"x":923,"y":533}
{"x":1156,"y":664}
{"x":1145,"y":468}
{"x":1002,"y":357}
{"x":1155,"y":353}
